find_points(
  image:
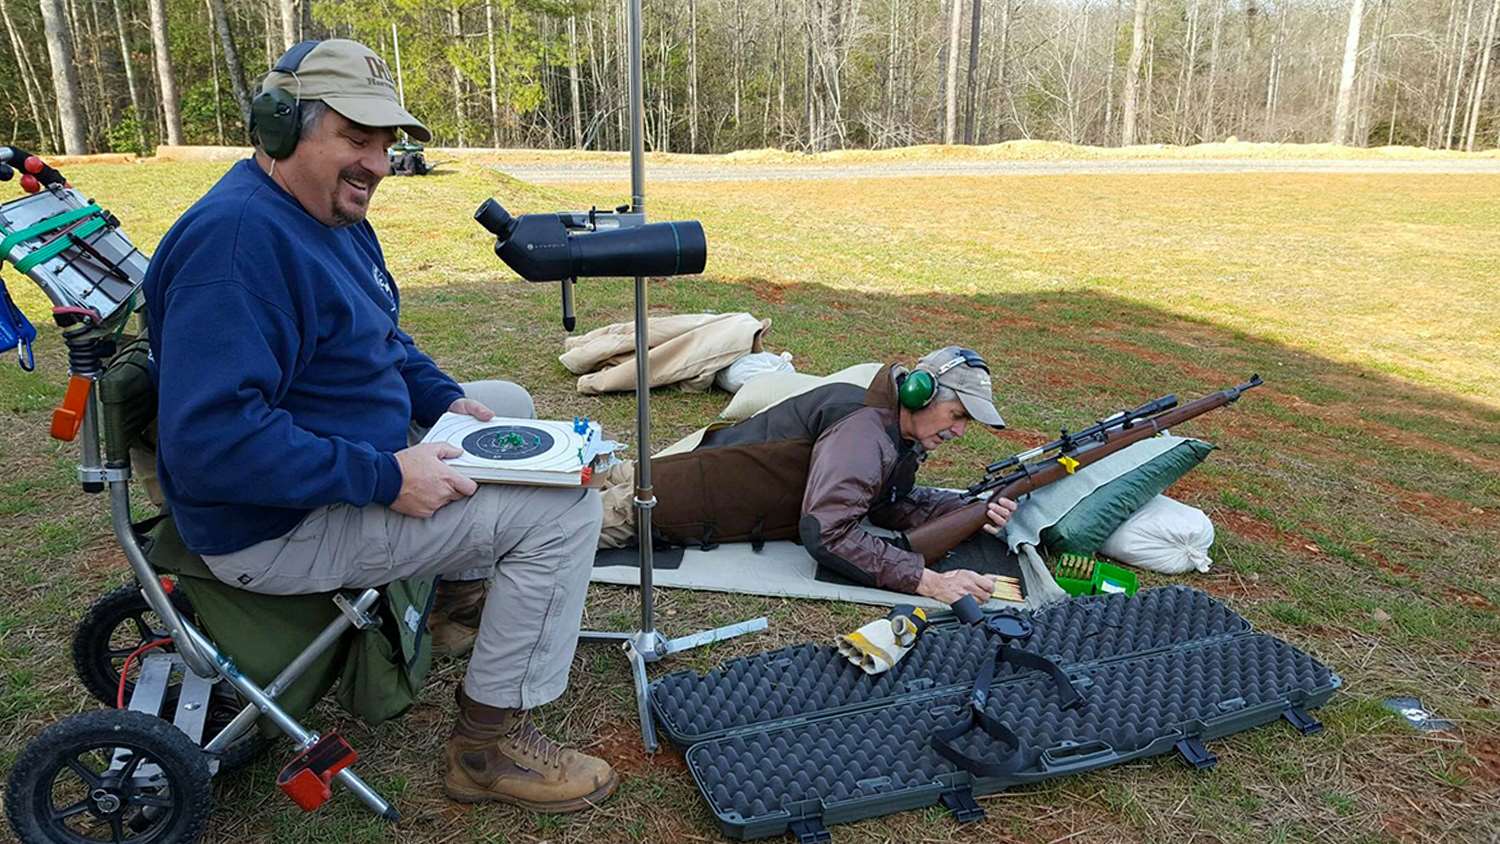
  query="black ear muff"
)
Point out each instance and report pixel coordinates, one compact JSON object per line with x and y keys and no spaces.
{"x":274,"y":119}
{"x":917,"y":389}
{"x":275,"y":116}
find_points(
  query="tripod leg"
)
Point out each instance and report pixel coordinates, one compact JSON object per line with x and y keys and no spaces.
{"x":642,"y":699}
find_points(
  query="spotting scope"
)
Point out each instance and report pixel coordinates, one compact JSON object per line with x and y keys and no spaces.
{"x":568,"y":245}
{"x":593,"y":243}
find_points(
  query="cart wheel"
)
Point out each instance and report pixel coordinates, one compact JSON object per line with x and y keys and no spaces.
{"x":116,"y":625}
{"x":120,"y":622}
{"x":111,"y":775}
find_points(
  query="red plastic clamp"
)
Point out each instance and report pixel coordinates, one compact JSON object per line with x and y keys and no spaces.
{"x":305,"y":779}
{"x":67,"y":417}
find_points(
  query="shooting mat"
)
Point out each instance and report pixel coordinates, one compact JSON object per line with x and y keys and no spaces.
{"x":784,"y":569}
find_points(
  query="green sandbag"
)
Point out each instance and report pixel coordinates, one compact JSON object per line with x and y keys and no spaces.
{"x":1091,"y":521}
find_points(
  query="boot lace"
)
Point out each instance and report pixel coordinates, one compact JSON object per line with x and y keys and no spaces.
{"x":530,"y":741}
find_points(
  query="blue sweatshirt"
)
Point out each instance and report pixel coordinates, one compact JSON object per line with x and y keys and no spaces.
{"x":286,"y":383}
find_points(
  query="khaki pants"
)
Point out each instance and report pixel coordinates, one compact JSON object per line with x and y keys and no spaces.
{"x":618,"y":497}
{"x":536,"y":545}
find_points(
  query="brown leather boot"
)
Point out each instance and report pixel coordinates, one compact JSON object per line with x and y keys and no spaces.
{"x":498,"y":754}
{"x":453,"y":623}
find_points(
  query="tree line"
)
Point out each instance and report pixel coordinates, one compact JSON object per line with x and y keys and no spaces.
{"x":126,"y":75}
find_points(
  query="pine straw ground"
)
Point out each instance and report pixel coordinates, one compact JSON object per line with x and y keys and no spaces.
{"x":1357,"y":495}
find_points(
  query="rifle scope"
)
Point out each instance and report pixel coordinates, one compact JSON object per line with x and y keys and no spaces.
{"x":1122,"y":419}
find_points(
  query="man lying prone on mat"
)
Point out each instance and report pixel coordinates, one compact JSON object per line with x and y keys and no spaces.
{"x":816,"y":465}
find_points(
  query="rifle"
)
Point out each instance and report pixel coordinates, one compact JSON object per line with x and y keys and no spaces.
{"x":1025,"y":472}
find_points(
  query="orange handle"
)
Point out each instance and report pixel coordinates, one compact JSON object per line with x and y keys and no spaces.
{"x":67,"y":418}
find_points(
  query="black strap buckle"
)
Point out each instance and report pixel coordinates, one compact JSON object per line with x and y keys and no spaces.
{"x":1304,"y":723}
{"x":961,"y":803}
{"x":809,"y":831}
{"x":1196,"y":754}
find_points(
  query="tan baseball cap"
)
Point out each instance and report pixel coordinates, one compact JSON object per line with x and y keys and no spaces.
{"x":964,"y":372}
{"x":350,"y":78}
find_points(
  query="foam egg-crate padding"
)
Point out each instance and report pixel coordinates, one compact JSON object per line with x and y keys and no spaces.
{"x":857,"y":765}
{"x":809,"y":680}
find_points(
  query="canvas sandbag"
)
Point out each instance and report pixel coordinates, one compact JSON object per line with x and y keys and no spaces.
{"x":751,"y":366}
{"x":1089,"y":523}
{"x":1163,"y":536}
{"x":1045,"y":507}
{"x":773,"y":388}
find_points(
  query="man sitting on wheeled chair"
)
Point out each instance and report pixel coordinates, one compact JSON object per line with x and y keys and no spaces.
{"x":289,"y":395}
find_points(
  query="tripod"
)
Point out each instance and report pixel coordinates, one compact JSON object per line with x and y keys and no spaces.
{"x":646,"y":644}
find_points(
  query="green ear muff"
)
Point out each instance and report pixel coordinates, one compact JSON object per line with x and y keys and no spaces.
{"x":273,"y":119}
{"x":274,"y":113}
{"x":917,"y":389}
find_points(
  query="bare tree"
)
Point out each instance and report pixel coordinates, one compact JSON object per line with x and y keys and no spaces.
{"x":971,"y":93}
{"x":64,"y":77}
{"x":171,"y":112}
{"x":289,"y":21}
{"x":231,"y":58}
{"x":1130,"y":100}
{"x":489,"y":37}
{"x":692,"y":81}
{"x":1476,"y":97}
{"x":456,"y":24}
{"x":573,"y":94}
{"x":955,"y":31}
{"x":31,"y":88}
{"x":736,"y":59}
{"x":1346,"y":76}
{"x":1209,"y":99}
{"x":1184,"y":99}
{"x":135,"y":97}
{"x":814,"y":74}
{"x":213,"y":62}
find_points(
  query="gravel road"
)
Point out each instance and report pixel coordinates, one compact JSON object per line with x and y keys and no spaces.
{"x":729,"y":172}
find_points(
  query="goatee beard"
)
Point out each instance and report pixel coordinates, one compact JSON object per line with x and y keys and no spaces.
{"x":342,"y":218}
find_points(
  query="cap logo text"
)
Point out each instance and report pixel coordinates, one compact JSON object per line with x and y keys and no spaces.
{"x":380,"y":74}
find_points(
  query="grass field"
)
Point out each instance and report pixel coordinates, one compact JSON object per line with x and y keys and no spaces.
{"x":1356,"y":496}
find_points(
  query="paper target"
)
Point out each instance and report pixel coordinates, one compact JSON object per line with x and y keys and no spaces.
{"x":524,"y":451}
{"x":508,"y":442}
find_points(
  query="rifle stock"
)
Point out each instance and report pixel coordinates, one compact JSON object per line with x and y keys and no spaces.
{"x":938,"y":536}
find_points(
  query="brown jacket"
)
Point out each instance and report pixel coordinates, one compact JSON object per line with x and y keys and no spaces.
{"x":810,"y":468}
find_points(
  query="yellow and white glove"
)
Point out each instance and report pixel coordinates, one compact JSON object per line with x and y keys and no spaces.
{"x":879,"y":645}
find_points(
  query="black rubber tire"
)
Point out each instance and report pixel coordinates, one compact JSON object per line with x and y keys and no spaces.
{"x":98,"y":664}
{"x":182,"y":802}
{"x":95,"y":660}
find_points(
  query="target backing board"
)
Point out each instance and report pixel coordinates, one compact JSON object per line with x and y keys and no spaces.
{"x":537,"y":452}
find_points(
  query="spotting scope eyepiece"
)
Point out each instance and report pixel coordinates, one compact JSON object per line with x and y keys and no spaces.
{"x":569,"y":245}
{"x":495,"y":219}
